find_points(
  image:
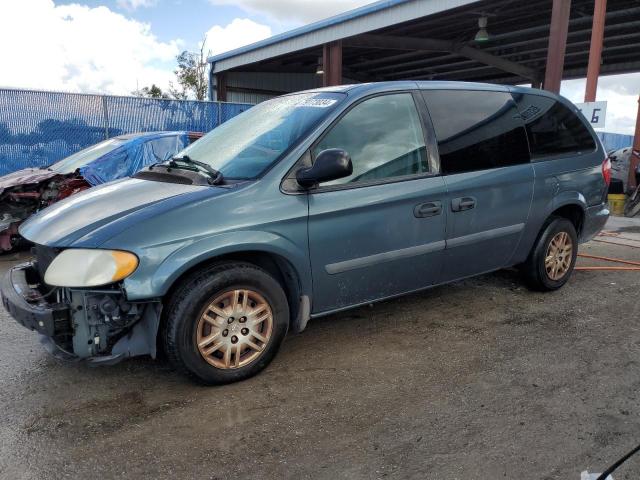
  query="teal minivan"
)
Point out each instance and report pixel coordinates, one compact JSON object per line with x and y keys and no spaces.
{"x":305,"y":205}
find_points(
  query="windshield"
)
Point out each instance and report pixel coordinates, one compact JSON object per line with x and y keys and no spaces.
{"x":79,"y":159}
{"x":246,"y":145}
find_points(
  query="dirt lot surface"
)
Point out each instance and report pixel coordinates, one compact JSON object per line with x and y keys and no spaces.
{"x":481,"y":379}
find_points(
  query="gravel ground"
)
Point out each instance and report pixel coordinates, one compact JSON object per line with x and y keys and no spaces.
{"x":481,"y":379}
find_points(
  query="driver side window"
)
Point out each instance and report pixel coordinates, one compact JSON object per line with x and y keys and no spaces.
{"x":384,"y":137}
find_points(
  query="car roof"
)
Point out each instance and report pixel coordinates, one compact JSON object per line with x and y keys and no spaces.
{"x":364,"y":88}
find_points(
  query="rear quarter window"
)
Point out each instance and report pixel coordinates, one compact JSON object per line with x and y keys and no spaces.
{"x":476,"y":130}
{"x":553,"y":129}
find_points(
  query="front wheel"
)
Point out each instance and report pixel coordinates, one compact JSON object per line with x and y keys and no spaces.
{"x":225,"y":323}
{"x":553,"y":257}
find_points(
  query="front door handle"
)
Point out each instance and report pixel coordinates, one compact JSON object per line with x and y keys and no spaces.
{"x":429,"y":209}
{"x":463,"y":203}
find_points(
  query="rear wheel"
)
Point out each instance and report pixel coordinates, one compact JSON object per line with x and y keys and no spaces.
{"x":553,"y":257}
{"x":225,"y":323}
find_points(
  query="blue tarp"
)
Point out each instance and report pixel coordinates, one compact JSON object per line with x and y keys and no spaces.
{"x":134,"y":155}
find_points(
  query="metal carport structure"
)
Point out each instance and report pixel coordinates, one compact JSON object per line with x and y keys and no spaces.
{"x":434,"y":39}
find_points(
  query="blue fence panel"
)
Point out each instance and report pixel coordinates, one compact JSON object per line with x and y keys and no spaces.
{"x":230,"y":110}
{"x":151,"y":114}
{"x":615,"y":141}
{"x":39,"y":128}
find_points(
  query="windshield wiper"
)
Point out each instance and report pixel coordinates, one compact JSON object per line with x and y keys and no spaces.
{"x":215,"y":175}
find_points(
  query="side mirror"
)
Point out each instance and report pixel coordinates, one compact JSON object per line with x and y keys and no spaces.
{"x":330,"y":165}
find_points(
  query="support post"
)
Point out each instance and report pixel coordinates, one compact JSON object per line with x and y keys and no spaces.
{"x":210,"y":82}
{"x":105,"y":114}
{"x":221,"y":87}
{"x":595,"y":50}
{"x":332,"y":64}
{"x":634,"y":161}
{"x":557,"y":44}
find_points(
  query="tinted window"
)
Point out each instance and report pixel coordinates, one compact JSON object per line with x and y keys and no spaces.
{"x":552,"y":128}
{"x":476,"y":130}
{"x":384,"y":137}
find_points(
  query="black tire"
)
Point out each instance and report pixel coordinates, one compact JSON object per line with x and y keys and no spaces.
{"x":191,"y":299}
{"x":534,"y":271}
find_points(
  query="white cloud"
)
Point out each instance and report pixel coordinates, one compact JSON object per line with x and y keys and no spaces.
{"x":240,"y":32}
{"x":133,"y":4}
{"x":303,"y":11}
{"x":621,"y":94}
{"x":78,"y":48}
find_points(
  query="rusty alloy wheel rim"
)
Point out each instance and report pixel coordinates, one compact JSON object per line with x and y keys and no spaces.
{"x":234,"y":329}
{"x":559,"y":256}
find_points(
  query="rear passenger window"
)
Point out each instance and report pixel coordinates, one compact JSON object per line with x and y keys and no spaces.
{"x":476,"y":130}
{"x":553,"y":129}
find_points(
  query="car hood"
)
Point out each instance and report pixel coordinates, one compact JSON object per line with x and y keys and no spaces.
{"x":69,"y":220}
{"x":28,"y":176}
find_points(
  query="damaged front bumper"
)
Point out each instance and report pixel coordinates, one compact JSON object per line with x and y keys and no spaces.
{"x":28,"y":307}
{"x":98,"y":326}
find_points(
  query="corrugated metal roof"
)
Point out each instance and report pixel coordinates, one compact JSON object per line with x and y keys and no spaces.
{"x":434,"y":39}
{"x":380,"y":14}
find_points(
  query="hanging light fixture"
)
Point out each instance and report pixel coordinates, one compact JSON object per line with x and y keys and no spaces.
{"x":483,"y":35}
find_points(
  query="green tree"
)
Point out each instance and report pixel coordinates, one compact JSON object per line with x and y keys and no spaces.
{"x":191,"y":74}
{"x":153,"y":91}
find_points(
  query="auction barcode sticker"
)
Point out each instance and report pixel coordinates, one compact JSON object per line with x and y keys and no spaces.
{"x":318,"y":102}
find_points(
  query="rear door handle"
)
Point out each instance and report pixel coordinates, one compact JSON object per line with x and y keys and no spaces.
{"x":463,"y":203}
{"x":429,"y":209}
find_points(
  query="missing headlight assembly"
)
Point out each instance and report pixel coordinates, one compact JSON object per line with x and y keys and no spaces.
{"x":108,"y":328}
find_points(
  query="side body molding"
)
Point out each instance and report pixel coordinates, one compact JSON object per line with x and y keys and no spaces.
{"x":361,"y":262}
{"x":484,"y":235}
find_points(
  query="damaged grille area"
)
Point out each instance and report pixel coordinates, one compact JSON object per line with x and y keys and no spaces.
{"x":37,"y":306}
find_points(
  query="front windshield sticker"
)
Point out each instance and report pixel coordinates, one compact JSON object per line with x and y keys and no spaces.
{"x":318,"y":102}
{"x":304,"y":100}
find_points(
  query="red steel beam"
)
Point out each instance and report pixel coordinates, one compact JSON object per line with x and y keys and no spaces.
{"x":557,"y":44}
{"x":221,"y":87}
{"x":634,"y":161}
{"x":332,"y":64}
{"x":595,"y":51}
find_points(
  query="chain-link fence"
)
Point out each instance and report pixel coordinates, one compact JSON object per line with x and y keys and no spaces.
{"x":615,"y":141}
{"x":39,"y":128}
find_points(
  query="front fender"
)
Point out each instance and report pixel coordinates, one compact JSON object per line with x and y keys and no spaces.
{"x":156,"y":283}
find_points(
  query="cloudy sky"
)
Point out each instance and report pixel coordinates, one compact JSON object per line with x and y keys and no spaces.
{"x":116,"y":46}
